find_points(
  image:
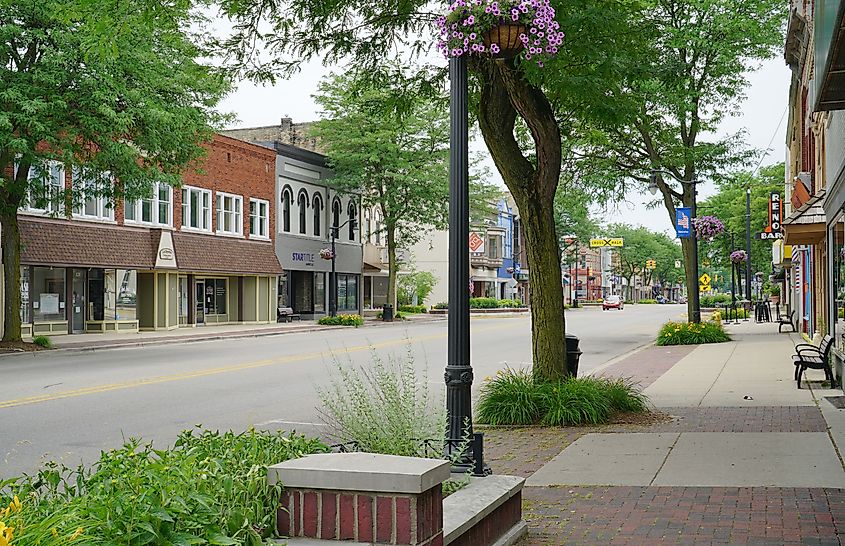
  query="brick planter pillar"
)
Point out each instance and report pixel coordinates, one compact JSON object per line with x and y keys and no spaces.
{"x":364,"y":497}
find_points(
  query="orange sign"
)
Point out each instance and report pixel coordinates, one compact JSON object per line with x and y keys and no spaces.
{"x":476,"y":243}
{"x":800,"y":194}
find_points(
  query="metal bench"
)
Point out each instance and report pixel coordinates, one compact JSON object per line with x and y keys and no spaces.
{"x":286,"y":314}
{"x":808,"y":356}
{"x":787,"y":320}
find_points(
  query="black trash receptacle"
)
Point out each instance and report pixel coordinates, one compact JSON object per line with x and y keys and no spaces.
{"x":387,"y":313}
{"x":573,"y":355}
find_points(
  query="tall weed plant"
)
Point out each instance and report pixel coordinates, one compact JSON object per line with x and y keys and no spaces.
{"x":210,"y":488}
{"x":384,"y":407}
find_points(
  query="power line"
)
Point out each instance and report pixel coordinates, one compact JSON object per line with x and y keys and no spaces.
{"x":771,"y":140}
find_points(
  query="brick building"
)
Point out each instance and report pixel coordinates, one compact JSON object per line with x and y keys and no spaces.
{"x":195,"y":255}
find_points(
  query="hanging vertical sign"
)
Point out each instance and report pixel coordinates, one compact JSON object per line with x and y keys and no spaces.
{"x":775,"y":229}
{"x":683,"y":222}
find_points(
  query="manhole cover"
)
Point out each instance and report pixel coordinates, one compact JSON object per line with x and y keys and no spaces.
{"x":837,"y":401}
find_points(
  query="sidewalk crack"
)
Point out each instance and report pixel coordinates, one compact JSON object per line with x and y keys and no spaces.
{"x":666,"y":458}
{"x":718,"y":375}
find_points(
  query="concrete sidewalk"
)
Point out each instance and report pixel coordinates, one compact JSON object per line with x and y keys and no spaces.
{"x":740,"y":431}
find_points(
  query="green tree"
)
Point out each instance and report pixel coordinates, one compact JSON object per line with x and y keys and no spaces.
{"x":572,"y":216}
{"x":392,"y":148}
{"x":630,"y":259}
{"x":416,"y":283}
{"x":689,"y":74}
{"x":728,"y":204}
{"x":512,"y":96}
{"x":101,"y":87}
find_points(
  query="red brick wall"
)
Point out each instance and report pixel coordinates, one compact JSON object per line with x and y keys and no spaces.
{"x":236,"y":167}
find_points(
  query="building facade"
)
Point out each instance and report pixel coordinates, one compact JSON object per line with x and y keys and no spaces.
{"x":182,"y":257}
{"x":814,"y":266}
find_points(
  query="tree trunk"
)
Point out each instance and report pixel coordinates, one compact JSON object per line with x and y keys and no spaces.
{"x":504,"y":95}
{"x":11,"y":238}
{"x":391,"y":267}
{"x":690,"y":276}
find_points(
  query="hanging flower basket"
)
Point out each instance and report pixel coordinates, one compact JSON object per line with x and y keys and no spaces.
{"x":500,"y":29}
{"x":326,"y":254}
{"x":738,"y":256}
{"x":707,"y":227}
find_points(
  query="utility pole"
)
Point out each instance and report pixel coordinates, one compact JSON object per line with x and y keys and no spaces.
{"x":748,"y":243}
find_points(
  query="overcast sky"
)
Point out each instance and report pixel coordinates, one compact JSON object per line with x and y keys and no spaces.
{"x":761,"y":116}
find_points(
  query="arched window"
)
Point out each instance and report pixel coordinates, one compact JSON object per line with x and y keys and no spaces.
{"x":317,"y":203}
{"x":336,"y":213}
{"x":302,"y":202}
{"x":352,"y":212}
{"x":287,"y":199}
{"x":368,"y":226}
{"x":377,"y":221}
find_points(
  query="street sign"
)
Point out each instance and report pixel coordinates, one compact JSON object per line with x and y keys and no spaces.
{"x":683,"y":222}
{"x":764,"y":236}
{"x":476,"y":243}
{"x":704,"y":288}
{"x":704,"y":279}
{"x":677,"y":264}
{"x":598,"y":243}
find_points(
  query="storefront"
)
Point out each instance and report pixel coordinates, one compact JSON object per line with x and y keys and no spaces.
{"x":305,"y":285}
{"x":87,"y":278}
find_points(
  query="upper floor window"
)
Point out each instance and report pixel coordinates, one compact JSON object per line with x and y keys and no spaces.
{"x":368,"y":226}
{"x":156,"y":209}
{"x":229,"y":210}
{"x":46,"y":188}
{"x":377,"y":227}
{"x":287,"y":198}
{"x":352,"y":213}
{"x":196,"y":209}
{"x":317,"y":204}
{"x":302,"y":202}
{"x":258,"y":218}
{"x":93,"y":190}
{"x":493,"y":247}
{"x":336,"y":213}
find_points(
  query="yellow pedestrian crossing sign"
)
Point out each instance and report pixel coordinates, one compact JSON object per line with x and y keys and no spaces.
{"x":598,"y":243}
{"x":704,"y":288}
{"x":704,"y":279}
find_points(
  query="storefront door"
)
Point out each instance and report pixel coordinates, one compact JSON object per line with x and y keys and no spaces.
{"x":200,"y":302}
{"x":77,"y":309}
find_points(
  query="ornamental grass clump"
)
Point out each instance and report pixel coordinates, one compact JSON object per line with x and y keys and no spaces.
{"x":465,"y":29}
{"x":683,"y":333}
{"x":514,"y":397}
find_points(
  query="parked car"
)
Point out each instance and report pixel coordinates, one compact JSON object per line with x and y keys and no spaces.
{"x":612,"y":302}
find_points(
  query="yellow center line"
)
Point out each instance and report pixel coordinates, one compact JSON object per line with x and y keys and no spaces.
{"x":133,"y":383}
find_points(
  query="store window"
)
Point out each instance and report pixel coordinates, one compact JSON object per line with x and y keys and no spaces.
{"x":48,"y":294}
{"x":347,"y":293}
{"x":837,"y":237}
{"x":46,"y":192}
{"x":123,"y":291}
{"x":229,"y":214}
{"x":196,"y":209}
{"x":319,"y":292}
{"x":92,"y":201}
{"x":258,"y":218}
{"x":157,"y":209}
{"x":216,"y":296}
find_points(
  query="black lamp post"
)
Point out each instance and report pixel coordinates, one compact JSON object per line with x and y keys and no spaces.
{"x":334,"y":231}
{"x":748,"y":244}
{"x":458,"y":374}
{"x":653,"y":187}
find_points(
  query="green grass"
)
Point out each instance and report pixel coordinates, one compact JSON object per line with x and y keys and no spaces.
{"x":513,"y":397}
{"x":682,"y":333}
{"x":43,"y":341}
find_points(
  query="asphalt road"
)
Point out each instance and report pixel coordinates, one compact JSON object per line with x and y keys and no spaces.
{"x":69,"y":406}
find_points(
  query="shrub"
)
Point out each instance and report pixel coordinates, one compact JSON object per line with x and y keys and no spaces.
{"x":510,"y":303}
{"x":209,"y":488}
{"x":342,"y":320}
{"x":648,"y":301}
{"x":43,"y":341}
{"x":711,"y":301}
{"x":680,"y":333}
{"x":383,"y":407}
{"x":416,"y":309}
{"x":513,"y":397}
{"x":418,"y":283}
{"x":483,"y":303}
{"x":440,"y":305}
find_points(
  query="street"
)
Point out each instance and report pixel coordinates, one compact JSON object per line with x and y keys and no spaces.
{"x":70,"y":405}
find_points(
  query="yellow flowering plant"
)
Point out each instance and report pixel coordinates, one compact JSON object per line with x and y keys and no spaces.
{"x":690,"y":333}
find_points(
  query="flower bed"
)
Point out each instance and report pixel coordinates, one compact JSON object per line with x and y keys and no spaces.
{"x":209,"y":488}
{"x":342,"y":320}
{"x":682,"y":333}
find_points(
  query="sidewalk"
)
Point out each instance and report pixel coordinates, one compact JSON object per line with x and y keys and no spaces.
{"x":83,"y":342}
{"x":746,"y":458}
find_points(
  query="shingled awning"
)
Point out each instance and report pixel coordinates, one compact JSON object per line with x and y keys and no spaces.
{"x":807,"y":225}
{"x":215,"y":254}
{"x":47,"y":241}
